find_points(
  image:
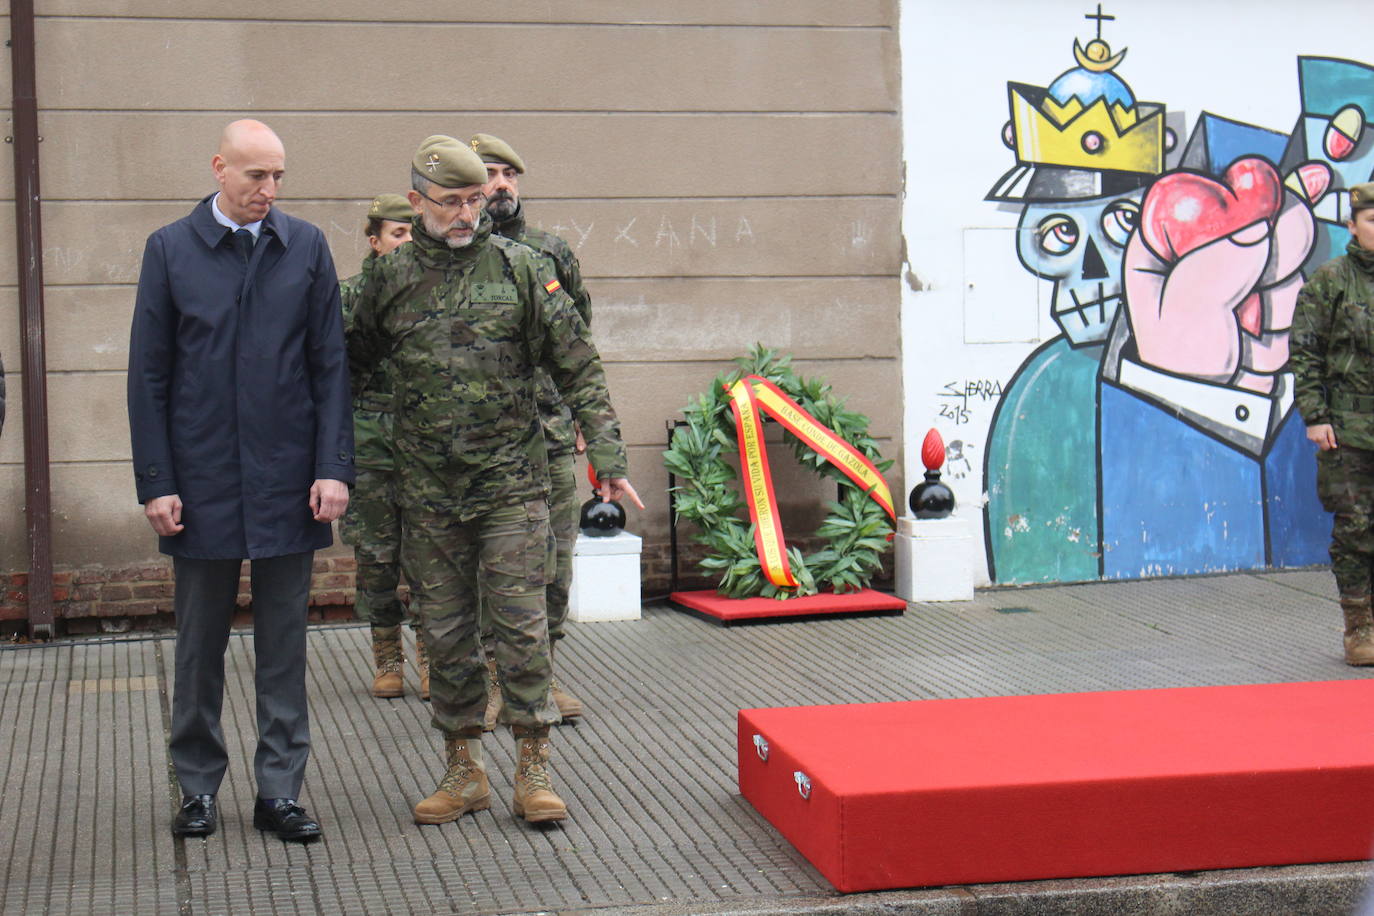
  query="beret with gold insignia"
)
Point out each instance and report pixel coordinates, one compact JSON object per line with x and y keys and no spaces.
{"x":1362,"y":196}
{"x":390,"y":206}
{"x":494,"y":149}
{"x":448,"y":163}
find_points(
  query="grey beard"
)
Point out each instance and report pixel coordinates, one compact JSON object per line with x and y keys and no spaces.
{"x":502,"y":208}
{"x":439,"y":231}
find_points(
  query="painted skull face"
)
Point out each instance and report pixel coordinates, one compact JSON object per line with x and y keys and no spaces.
{"x":1079,"y":244}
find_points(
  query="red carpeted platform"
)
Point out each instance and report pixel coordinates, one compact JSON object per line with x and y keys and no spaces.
{"x":1067,"y":785}
{"x":728,"y":611}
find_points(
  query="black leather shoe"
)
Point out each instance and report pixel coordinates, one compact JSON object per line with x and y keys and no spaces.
{"x":197,"y":816}
{"x":286,"y":819}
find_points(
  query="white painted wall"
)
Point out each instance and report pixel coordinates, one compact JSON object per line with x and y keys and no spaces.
{"x":1235,"y":59}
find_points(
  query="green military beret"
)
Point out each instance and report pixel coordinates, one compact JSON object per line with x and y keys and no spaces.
{"x":494,"y":149}
{"x":1362,"y":196}
{"x":390,"y":206}
{"x":448,"y":163}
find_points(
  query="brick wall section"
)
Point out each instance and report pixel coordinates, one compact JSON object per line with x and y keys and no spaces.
{"x":115,"y":598}
{"x":142,"y":594}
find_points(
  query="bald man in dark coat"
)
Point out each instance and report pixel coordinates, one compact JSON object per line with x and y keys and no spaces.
{"x":242,"y":435}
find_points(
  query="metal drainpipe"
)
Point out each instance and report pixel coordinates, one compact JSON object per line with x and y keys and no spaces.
{"x":33,"y":364}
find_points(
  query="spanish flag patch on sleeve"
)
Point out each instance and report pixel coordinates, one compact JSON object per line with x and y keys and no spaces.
{"x":552,"y":286}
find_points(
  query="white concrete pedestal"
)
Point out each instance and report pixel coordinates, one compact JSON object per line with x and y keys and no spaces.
{"x":934,"y":559}
{"x":605,"y":582}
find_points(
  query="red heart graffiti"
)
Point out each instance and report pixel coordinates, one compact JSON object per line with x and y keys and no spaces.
{"x":1184,"y":210}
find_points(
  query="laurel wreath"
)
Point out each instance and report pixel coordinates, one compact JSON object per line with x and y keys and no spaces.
{"x":855,"y":531}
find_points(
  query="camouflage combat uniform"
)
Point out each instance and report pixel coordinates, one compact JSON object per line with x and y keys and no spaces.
{"x":372,"y":523}
{"x":559,"y":436}
{"x":1332,"y":358}
{"x":466,"y":329}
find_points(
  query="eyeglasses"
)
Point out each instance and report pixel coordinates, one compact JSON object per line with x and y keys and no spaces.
{"x":475,"y":203}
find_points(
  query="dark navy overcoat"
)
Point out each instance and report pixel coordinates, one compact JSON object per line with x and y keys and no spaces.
{"x":238,"y":385}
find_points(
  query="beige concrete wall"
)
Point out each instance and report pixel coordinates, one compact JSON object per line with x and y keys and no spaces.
{"x":727,"y":173}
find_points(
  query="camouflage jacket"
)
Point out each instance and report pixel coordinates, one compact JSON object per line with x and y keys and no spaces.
{"x":466,"y":329}
{"x":1331,"y":348}
{"x":373,"y":393}
{"x":553,"y":413}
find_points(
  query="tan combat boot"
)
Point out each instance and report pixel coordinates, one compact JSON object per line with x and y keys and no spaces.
{"x":569,"y":706}
{"x":494,"y":702}
{"x":387,"y":655}
{"x":1359,"y":631}
{"x":464,"y":787}
{"x":535,"y":800}
{"x":422,"y":662}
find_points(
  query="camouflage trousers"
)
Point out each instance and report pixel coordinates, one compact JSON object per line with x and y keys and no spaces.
{"x":501,"y":561}
{"x":564,"y":510}
{"x":372,"y":526}
{"x":1345,"y":483}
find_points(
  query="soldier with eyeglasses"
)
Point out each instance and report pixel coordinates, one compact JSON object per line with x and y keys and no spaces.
{"x":467,"y":318}
{"x":507,"y":212}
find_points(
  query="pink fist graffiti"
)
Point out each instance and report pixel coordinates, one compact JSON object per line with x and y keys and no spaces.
{"x":1211,"y":278}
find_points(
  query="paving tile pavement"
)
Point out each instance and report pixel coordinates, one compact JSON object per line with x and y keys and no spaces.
{"x":657,"y":826}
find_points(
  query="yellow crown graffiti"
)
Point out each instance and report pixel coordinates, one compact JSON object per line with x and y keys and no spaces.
{"x":1099,"y":135}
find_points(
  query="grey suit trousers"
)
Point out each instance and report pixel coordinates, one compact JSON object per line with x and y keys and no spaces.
{"x":206,"y":591}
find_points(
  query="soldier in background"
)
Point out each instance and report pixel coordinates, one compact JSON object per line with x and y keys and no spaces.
{"x":466,"y":318}
{"x":372,"y":524}
{"x":504,"y":168}
{"x":1333,"y":365}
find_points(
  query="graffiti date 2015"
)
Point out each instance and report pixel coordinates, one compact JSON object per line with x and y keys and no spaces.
{"x":958,"y":396}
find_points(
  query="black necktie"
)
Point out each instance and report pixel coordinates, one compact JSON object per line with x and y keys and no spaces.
{"x":243,"y":240}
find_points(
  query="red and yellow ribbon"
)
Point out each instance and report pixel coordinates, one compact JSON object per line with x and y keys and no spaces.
{"x":748,"y":397}
{"x":763,"y":505}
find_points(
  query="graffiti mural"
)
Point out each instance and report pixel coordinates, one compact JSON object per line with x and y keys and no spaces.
{"x":1085,"y":152}
{"x":1337,"y":97}
{"x":1156,"y":434}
